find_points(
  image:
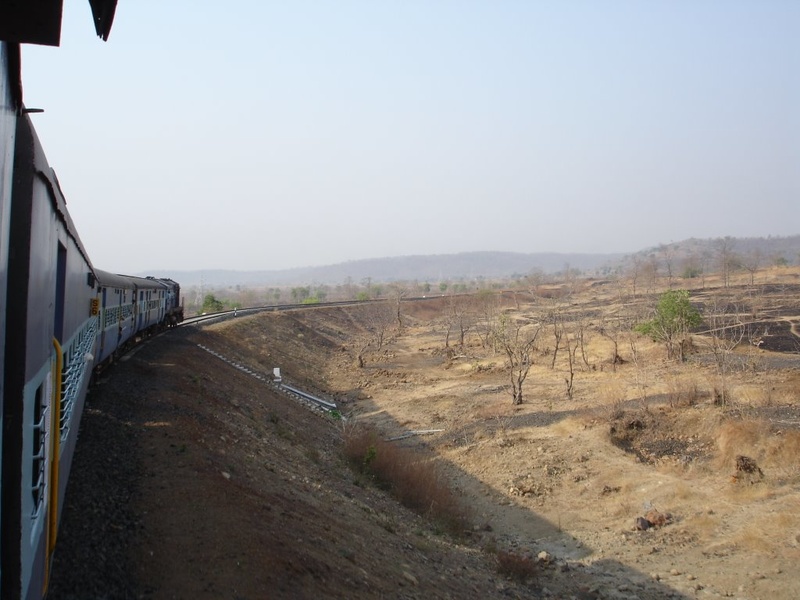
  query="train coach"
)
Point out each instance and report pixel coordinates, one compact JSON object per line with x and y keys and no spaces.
{"x":50,"y":345}
{"x":60,"y":318}
{"x":63,"y":319}
{"x":131,"y":307}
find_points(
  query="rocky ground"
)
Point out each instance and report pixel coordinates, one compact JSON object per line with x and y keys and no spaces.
{"x":195,"y":479}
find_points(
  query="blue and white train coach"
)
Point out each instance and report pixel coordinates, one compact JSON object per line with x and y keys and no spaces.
{"x":51,"y":330}
{"x":59,"y":316}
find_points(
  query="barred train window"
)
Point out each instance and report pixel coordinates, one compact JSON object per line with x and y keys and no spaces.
{"x":39,"y":450}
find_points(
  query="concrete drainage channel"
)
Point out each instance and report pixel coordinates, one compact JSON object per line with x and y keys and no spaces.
{"x":310,"y":401}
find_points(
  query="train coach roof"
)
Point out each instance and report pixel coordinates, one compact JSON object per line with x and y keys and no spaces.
{"x":149,"y":283}
{"x":115,"y":280}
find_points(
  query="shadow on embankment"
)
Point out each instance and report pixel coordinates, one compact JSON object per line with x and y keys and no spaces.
{"x":577,"y":569}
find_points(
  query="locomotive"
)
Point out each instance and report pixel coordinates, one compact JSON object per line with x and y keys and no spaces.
{"x":60,"y":317}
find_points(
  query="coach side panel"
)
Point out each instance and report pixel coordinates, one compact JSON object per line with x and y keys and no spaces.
{"x":7,"y":135}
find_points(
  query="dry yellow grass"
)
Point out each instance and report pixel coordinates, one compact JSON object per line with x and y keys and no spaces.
{"x":704,"y":524}
{"x":753,"y":538}
{"x":783,"y":450}
{"x":777,"y":453}
{"x":680,"y":492}
{"x":740,"y":437}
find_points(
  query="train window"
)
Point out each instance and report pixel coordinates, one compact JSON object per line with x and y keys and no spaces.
{"x":73,"y":373}
{"x":39,"y":450}
{"x":111,"y":316}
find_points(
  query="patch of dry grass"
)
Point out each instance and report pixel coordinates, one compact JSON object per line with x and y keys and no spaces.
{"x":783,"y":451}
{"x":750,"y":494}
{"x":754,"y":438}
{"x":683,"y":390}
{"x":611,"y":397}
{"x":623,"y":507}
{"x":680,"y":492}
{"x":704,"y":524}
{"x":754,"y":539}
{"x":737,"y":437}
{"x":495,"y":409}
{"x":411,"y":478}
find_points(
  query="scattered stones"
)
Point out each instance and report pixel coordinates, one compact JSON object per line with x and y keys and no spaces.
{"x":653,"y":520}
{"x":658,"y":519}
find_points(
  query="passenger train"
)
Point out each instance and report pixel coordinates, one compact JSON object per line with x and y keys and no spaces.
{"x":60,"y":317}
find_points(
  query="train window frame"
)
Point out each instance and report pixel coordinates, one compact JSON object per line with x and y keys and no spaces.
{"x":39,"y":454}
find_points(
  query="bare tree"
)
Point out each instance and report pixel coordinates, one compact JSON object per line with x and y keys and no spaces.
{"x":488,"y":308}
{"x":634,"y":272}
{"x":533,"y":280}
{"x":456,"y":320}
{"x":667,"y":252}
{"x":362,"y":345}
{"x":580,"y":336}
{"x":518,"y":340}
{"x":572,"y":348}
{"x":726,"y":258}
{"x":649,"y":272}
{"x":558,"y":332}
{"x":397,"y":292}
{"x":752,"y":263}
{"x":610,"y":328}
{"x":705,"y":260}
{"x":640,"y":372}
{"x":378,"y":318}
{"x":725,"y":333}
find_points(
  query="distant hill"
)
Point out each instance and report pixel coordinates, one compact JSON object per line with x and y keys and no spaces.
{"x":764,"y":251}
{"x":489,"y":265}
{"x":432,"y":268}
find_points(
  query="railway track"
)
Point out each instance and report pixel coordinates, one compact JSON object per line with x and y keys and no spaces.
{"x":230,"y":314}
{"x":309,"y":400}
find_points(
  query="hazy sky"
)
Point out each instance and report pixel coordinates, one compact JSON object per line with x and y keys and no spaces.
{"x":263,"y":134}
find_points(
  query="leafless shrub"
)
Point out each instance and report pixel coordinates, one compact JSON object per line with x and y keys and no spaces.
{"x":414,"y":480}
{"x":614,"y":401}
{"x":682,"y":392}
{"x":721,"y":393}
{"x":516,"y":566}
